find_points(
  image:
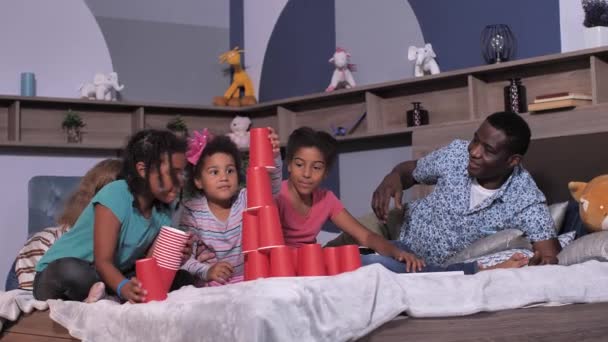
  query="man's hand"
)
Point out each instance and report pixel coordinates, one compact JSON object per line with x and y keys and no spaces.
{"x":545,"y":252}
{"x":220,"y":272}
{"x":390,"y":187}
{"x":539,"y":259}
{"x":204,"y":252}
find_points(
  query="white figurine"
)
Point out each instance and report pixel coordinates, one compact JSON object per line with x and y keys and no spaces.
{"x":425,"y":60}
{"x":342,"y":77}
{"x":240,"y":131}
{"x":103,"y":87}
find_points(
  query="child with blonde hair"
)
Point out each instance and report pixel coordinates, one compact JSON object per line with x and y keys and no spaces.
{"x":96,"y":178}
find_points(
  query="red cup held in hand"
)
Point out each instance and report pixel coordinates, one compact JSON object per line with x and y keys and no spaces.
{"x":260,"y":148}
{"x":147,"y":272}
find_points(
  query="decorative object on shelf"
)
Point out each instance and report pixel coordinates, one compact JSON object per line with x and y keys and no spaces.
{"x":595,"y":32}
{"x":240,"y":80}
{"x":562,"y":100}
{"x":178,"y":126}
{"x":515,"y":97}
{"x":342,"y":77}
{"x":104,"y":87}
{"x":417,"y":116}
{"x":341,"y":131}
{"x":239,"y":134}
{"x":498,"y":43}
{"x":28,"y":84}
{"x":73,"y":124}
{"x":425,"y":60}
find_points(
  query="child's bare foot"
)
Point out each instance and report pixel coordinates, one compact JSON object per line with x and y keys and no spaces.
{"x":97,"y":292}
{"x":516,"y":260}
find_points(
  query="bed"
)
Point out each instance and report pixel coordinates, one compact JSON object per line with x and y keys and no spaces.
{"x":553,"y":162}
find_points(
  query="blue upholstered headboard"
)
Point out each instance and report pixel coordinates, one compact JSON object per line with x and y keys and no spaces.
{"x":46,"y":196}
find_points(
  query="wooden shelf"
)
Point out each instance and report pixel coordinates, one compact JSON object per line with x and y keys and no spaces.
{"x":456,"y":100}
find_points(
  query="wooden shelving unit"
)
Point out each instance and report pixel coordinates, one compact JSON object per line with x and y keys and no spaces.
{"x":457,"y":102}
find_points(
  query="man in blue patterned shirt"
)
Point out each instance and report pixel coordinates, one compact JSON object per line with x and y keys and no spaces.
{"x":480,"y":189}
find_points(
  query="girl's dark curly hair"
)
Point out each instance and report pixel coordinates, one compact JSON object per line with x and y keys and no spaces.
{"x":149,"y":146}
{"x":219,"y":144}
{"x":308,"y":137}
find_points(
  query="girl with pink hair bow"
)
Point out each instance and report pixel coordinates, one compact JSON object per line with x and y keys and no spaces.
{"x":214,"y":213}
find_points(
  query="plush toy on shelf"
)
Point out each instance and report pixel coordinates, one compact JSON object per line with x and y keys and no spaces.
{"x":103,"y":87}
{"x":425,"y":60}
{"x":240,"y":80}
{"x":593,"y":202}
{"x":239,"y":128}
{"x":342,"y":76}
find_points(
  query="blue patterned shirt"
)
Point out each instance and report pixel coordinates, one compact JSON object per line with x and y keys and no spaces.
{"x":442,"y":224}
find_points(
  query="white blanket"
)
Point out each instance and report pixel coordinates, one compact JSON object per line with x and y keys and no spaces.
{"x":338,"y":308}
{"x":13,"y":303}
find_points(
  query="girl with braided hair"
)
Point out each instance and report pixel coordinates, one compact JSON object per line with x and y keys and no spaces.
{"x":119,"y":226}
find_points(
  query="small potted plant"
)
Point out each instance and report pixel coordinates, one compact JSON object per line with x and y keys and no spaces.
{"x":596,"y":22}
{"x":178,"y":126}
{"x":73,"y":124}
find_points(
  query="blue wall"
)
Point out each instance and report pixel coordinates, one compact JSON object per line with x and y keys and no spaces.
{"x":454,"y":27}
{"x":296,"y":57}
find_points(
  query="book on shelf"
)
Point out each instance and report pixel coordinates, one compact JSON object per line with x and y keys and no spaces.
{"x":556,"y":104}
{"x":562,"y":96}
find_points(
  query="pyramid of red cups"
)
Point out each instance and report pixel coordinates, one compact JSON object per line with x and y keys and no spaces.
{"x":266,"y":254}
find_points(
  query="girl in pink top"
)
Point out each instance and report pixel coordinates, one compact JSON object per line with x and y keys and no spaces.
{"x":304,"y":207}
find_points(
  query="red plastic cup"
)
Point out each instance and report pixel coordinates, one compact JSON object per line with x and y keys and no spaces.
{"x":167,"y":275}
{"x":168,"y":247}
{"x":350,"y":259}
{"x":294,"y":258}
{"x":281,"y":262}
{"x":270,"y":231}
{"x":310,"y":261}
{"x":332,"y":260}
{"x":250,"y":231}
{"x":147,"y":272}
{"x":259,"y":191}
{"x":256,"y":265}
{"x":260,"y":148}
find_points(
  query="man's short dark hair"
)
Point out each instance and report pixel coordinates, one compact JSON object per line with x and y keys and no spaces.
{"x":515,"y":128}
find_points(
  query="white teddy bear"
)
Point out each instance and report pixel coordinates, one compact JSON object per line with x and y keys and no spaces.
{"x":240,"y":131}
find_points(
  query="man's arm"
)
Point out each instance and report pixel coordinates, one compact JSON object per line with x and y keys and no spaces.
{"x":392,"y":186}
{"x":536,"y":222}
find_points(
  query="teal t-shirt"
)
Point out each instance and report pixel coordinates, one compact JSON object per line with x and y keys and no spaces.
{"x":136,"y":235}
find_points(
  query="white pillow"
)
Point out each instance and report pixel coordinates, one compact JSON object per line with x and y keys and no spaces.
{"x":499,"y":241}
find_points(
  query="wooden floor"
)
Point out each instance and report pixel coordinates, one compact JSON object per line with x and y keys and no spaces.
{"x":579,"y":322}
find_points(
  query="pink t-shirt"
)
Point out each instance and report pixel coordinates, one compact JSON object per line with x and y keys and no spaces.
{"x":301,"y":229}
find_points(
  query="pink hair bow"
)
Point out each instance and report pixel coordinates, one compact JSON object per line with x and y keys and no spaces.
{"x":197,"y":144}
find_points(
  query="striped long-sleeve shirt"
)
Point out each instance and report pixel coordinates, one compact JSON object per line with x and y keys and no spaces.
{"x":223,"y":237}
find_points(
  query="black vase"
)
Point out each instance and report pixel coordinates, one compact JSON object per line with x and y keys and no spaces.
{"x":417,"y":116}
{"x":515,"y":97}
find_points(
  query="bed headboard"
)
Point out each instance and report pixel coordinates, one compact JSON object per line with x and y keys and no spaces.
{"x":553,"y":162}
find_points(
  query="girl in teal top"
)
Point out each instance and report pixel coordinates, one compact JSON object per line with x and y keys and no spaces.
{"x":118,"y":226}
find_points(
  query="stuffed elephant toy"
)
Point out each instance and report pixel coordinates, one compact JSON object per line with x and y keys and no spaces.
{"x":425,"y":60}
{"x":104,"y":87}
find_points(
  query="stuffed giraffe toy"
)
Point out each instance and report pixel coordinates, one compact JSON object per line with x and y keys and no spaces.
{"x":240,"y":80}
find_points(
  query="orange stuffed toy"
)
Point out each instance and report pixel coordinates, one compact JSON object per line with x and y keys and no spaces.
{"x":593,"y":202}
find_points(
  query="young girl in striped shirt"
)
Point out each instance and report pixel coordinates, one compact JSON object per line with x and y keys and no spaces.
{"x":215,"y":212}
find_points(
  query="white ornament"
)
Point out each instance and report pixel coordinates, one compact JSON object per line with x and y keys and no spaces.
{"x":425,"y":60}
{"x":240,"y":131}
{"x":103,"y":87}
